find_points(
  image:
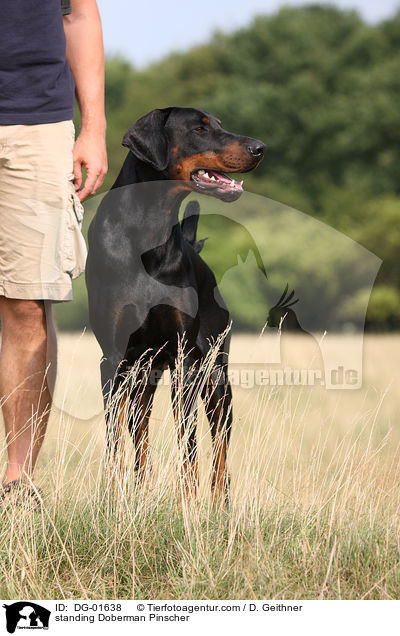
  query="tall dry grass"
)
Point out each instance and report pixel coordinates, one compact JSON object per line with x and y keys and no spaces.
{"x":314,"y":507}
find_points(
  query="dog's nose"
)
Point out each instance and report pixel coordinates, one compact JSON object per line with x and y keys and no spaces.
{"x":257,"y":148}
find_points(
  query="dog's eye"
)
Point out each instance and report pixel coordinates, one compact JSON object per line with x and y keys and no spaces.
{"x":200,"y":129}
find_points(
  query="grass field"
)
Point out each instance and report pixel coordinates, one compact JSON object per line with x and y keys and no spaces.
{"x":314,"y":510}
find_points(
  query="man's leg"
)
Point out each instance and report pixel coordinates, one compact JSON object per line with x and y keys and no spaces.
{"x":27,"y":374}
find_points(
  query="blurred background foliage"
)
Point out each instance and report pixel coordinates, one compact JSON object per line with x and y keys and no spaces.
{"x":322,"y":89}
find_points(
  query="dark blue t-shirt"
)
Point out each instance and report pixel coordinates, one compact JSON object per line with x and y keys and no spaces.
{"x":36,"y":83}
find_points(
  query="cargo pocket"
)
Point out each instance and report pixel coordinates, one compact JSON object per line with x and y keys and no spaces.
{"x":74,"y":249}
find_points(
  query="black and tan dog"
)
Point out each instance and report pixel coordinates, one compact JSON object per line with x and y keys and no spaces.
{"x":149,"y":290}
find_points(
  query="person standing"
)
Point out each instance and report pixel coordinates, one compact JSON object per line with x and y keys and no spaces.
{"x":49,"y":51}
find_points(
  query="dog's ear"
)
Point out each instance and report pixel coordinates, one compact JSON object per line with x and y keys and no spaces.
{"x":147,"y":139}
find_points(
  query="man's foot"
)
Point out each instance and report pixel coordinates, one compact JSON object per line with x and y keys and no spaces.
{"x":19,"y":493}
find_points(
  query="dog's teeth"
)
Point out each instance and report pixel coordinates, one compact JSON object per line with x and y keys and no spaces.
{"x":241,"y":183}
{"x":213,"y":178}
{"x":201,"y":172}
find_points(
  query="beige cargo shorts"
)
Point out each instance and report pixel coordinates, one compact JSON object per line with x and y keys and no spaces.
{"x":41,"y":243}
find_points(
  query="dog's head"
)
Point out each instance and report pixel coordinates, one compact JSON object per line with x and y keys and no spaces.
{"x":191,"y":146}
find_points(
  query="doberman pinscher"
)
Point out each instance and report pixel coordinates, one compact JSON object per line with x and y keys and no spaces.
{"x":150,"y":293}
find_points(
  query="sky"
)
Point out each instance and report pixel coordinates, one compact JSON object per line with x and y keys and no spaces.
{"x":144,"y":32}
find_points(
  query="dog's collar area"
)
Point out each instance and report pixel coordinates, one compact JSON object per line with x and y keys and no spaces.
{"x":205,"y":178}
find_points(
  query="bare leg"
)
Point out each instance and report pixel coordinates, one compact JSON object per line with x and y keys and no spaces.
{"x":28,"y":348}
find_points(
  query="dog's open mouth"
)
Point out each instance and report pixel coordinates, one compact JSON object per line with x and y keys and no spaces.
{"x":207,"y":179}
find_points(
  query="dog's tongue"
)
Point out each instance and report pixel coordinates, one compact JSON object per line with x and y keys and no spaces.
{"x":219,"y":176}
{"x":222,"y":178}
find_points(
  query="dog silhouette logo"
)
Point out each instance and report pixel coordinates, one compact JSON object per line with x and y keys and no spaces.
{"x":26,"y":615}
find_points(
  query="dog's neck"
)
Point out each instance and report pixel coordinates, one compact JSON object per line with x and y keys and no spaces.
{"x":136,"y":171}
{"x":154,"y":202}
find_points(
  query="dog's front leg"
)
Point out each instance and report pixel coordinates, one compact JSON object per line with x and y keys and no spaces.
{"x":141,"y":402}
{"x":184,"y":392}
{"x":217,"y":397}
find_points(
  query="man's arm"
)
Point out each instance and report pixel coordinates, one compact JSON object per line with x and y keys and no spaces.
{"x":85,"y":56}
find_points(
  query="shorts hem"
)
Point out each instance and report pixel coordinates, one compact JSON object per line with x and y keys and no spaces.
{"x":36,"y":291}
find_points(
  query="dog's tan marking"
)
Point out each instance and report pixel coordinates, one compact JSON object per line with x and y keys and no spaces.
{"x":233,"y":158}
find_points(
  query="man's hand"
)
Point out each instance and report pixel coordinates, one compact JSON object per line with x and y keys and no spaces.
{"x":86,"y":58}
{"x":89,"y":153}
